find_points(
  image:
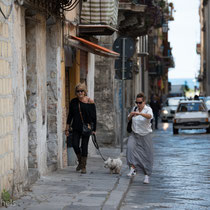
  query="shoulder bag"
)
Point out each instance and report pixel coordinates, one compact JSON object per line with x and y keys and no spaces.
{"x":129,"y":125}
{"x":86,"y":127}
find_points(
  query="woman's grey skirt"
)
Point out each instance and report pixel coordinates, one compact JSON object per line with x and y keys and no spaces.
{"x":140,"y":152}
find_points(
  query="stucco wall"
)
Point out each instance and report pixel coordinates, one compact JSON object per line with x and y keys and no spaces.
{"x":105,"y":96}
{"x":30,"y":58}
{"x":19,"y":91}
{"x":11,"y":135}
{"x":54,"y":106}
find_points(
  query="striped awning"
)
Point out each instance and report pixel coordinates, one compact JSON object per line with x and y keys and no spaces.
{"x":99,"y":12}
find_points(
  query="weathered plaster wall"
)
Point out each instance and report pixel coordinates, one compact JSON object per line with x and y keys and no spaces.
{"x":30,"y":97}
{"x":41,"y":121}
{"x":6,"y":101}
{"x":104,"y":96}
{"x":19,"y":92}
{"x":32,"y":86}
{"x":54,"y":106}
{"x":36,"y":92}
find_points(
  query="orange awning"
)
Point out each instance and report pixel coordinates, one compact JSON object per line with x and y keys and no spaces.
{"x":91,"y":47}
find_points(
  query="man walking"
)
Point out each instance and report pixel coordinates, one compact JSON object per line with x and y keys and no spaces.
{"x":155,"y":105}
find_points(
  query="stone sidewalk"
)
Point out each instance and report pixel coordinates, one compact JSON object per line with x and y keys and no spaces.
{"x":67,"y":189}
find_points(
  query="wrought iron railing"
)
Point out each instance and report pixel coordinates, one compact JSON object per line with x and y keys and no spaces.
{"x":144,"y":2}
{"x":55,"y":7}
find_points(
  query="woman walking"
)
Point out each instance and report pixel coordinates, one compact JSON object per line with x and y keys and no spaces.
{"x":82,"y":111}
{"x":140,"y":147}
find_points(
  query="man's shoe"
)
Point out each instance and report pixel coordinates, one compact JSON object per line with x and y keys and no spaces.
{"x":146,"y":179}
{"x":132,"y":172}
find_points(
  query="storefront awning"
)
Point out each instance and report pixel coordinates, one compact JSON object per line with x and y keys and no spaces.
{"x":91,"y":47}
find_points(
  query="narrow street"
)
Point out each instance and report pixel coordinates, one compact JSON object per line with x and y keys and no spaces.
{"x":181,"y":178}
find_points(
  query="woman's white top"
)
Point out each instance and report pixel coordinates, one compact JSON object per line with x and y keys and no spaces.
{"x":140,"y":124}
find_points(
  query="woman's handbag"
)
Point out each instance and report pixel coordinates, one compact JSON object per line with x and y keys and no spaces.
{"x":129,"y":125}
{"x":69,"y":139}
{"x":86,"y":127}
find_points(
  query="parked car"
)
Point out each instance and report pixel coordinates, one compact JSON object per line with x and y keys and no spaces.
{"x":191,"y":115}
{"x":207,"y":102}
{"x":168,"y":110}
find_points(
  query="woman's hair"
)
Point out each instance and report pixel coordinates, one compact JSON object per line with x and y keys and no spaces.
{"x":141,"y":95}
{"x":81,"y":86}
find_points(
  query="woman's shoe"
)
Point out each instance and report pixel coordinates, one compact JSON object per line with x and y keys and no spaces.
{"x":146,"y":179}
{"x":132,"y":172}
{"x":84,"y":162}
{"x":79,"y":166}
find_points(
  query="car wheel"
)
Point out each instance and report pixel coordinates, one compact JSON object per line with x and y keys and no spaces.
{"x":175,"y":131}
{"x":208,"y":130}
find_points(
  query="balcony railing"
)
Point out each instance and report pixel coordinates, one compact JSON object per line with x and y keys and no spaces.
{"x":133,"y":5}
{"x":98,"y":17}
{"x":53,"y":7}
{"x":145,"y":2}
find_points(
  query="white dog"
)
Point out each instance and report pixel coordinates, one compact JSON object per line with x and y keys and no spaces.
{"x":114,"y":165}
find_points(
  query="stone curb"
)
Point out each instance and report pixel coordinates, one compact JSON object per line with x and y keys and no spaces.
{"x":118,"y":193}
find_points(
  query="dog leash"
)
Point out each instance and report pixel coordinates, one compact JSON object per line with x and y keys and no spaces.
{"x":97,"y":146}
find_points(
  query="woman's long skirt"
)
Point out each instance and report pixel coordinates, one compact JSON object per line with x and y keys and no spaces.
{"x":140,"y":152}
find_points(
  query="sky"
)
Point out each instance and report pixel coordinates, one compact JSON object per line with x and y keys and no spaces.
{"x":184,"y":34}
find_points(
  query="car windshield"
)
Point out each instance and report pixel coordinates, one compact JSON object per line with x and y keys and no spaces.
{"x":191,"y":107}
{"x":173,"y":102}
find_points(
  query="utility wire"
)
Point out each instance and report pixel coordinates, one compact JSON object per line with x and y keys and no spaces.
{"x":10,"y":11}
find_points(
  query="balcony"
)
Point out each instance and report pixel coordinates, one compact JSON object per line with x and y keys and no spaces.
{"x":134,"y":6}
{"x":136,"y":17}
{"x":98,"y":17}
{"x":52,"y":7}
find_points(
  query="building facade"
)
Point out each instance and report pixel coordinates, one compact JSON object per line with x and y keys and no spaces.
{"x":204,"y":48}
{"x":46,"y":48}
{"x":31,"y":92}
{"x":143,"y":22}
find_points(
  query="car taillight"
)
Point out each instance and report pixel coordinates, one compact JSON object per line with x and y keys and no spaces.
{"x":174,"y":120}
{"x":207,"y":119}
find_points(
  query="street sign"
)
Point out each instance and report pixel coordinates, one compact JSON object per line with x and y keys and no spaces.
{"x":129,"y":46}
{"x":125,"y":46}
{"x":128,"y":64}
{"x":128,"y":74}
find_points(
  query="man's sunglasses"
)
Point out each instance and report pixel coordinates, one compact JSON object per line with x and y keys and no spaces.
{"x":139,"y":102}
{"x":80,"y":91}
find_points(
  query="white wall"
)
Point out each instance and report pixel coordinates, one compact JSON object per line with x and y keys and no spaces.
{"x":90,"y":87}
{"x":19,"y":93}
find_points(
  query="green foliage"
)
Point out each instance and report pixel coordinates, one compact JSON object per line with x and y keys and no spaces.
{"x":162,"y":3}
{"x":5,"y":196}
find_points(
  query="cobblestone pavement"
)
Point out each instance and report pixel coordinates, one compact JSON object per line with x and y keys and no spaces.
{"x":180,"y":180}
{"x":67,"y":189}
{"x":181,"y":176}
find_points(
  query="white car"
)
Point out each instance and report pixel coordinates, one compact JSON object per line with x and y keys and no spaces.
{"x":169,"y":108}
{"x":191,"y":114}
{"x":207,"y":102}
